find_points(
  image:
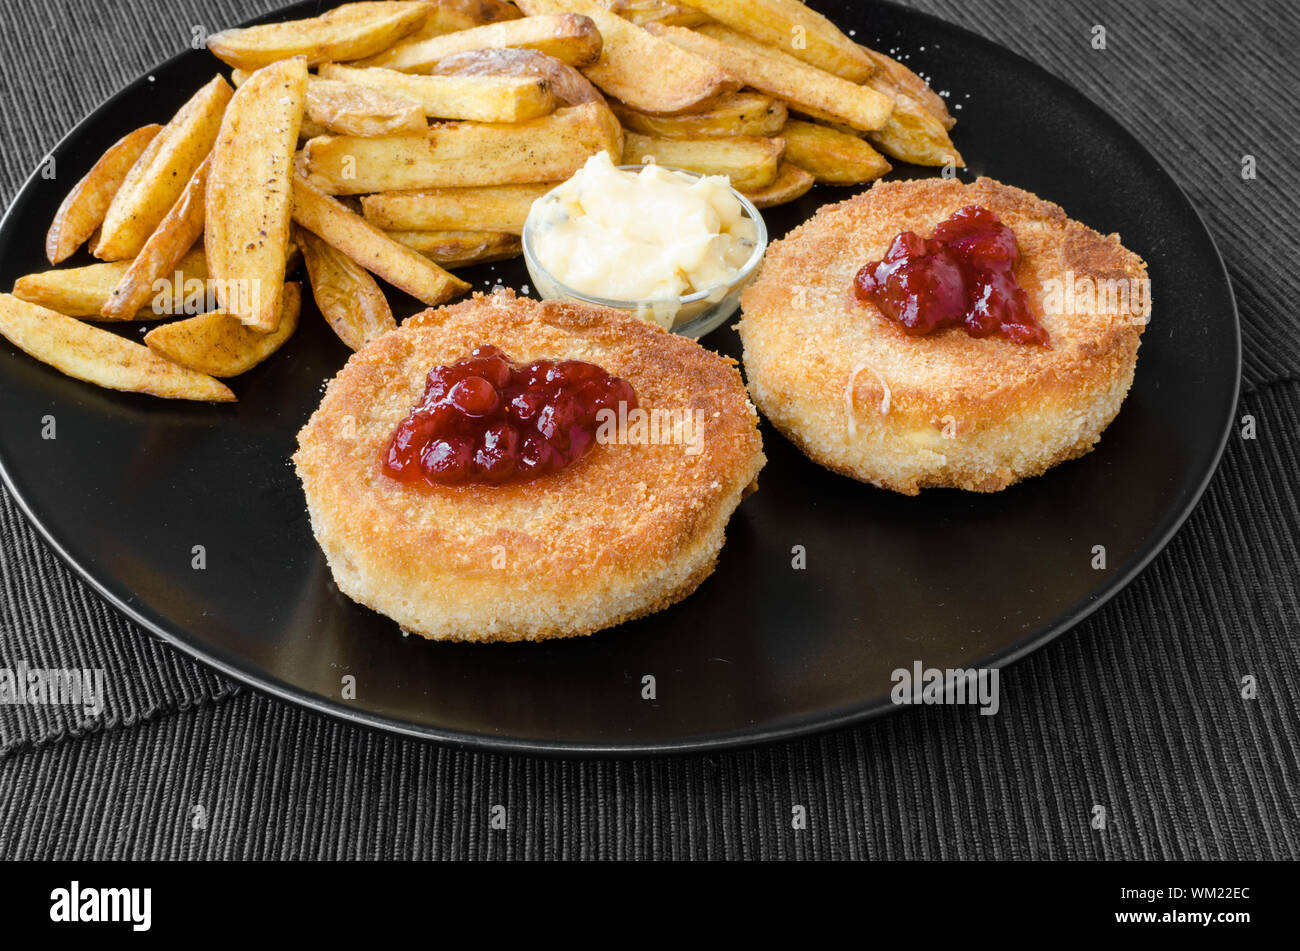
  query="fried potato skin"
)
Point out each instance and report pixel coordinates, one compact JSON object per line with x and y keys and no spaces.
{"x":250,"y":196}
{"x":461,"y":248}
{"x":352,"y":31}
{"x":218,"y":344}
{"x":87,"y":353}
{"x":569,"y":38}
{"x":84,"y":207}
{"x":346,"y":295}
{"x":741,"y":113}
{"x":159,"y":176}
{"x":351,"y":109}
{"x":678,"y":82}
{"x":567,"y":84}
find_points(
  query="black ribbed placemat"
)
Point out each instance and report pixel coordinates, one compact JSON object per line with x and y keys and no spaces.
{"x":1139,"y":710}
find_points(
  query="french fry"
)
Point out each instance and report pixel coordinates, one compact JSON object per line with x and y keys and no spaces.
{"x":220,"y":345}
{"x":249,"y":198}
{"x":678,"y":81}
{"x":173,"y":237}
{"x":784,"y":77}
{"x":489,"y":208}
{"x":569,"y":86}
{"x":478,"y":98}
{"x":451,"y":16}
{"x":100,"y":356}
{"x":347,"y":296}
{"x":833,"y":157}
{"x":741,"y":113}
{"x":570,"y":39}
{"x":791,"y":182}
{"x":461,"y":248}
{"x":917,"y":130}
{"x":352,"y":31}
{"x":161,"y":172}
{"x":642,"y":12}
{"x":82,"y":292}
{"x":908,"y":83}
{"x":371,"y":248}
{"x":464,"y":154}
{"x":791,"y":26}
{"x":350,"y":109}
{"x":83,"y":210}
{"x":750,"y":162}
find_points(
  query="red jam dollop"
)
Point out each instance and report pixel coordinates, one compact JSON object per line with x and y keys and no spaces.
{"x":487,"y":419}
{"x":960,"y":277}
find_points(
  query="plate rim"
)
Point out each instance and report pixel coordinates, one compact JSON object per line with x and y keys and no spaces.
{"x":799,"y":727}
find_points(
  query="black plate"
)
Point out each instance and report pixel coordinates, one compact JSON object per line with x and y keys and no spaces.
{"x":762,"y":651}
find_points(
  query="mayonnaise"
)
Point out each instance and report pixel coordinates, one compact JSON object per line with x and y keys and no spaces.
{"x":641,"y":236}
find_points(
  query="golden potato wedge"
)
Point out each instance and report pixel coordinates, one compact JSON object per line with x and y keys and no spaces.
{"x":100,"y":356}
{"x":489,"y":208}
{"x":791,"y":26}
{"x":161,"y":173}
{"x":914,"y":135}
{"x":570,"y":39}
{"x":833,"y":157}
{"x":238,"y":76}
{"x":220,"y":345}
{"x":352,"y":31}
{"x":642,"y":12}
{"x":907,"y":82}
{"x":749,"y":161}
{"x":791,"y":182}
{"x":371,"y":248}
{"x":465,"y":154}
{"x":82,"y":292}
{"x":461,"y":248}
{"x":351,"y":109}
{"x":917,"y":131}
{"x":83,"y":210}
{"x":741,"y":113}
{"x":642,"y":70}
{"x":249,"y":199}
{"x":783,"y":77}
{"x":347,"y":296}
{"x":174,"y":236}
{"x":569,"y":86}
{"x":478,"y":98}
{"x":451,"y":16}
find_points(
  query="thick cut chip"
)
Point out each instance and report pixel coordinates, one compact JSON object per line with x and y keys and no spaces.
{"x":352,"y":31}
{"x":250,"y":192}
{"x":490,"y":208}
{"x":479,"y":98}
{"x":461,"y":248}
{"x":83,"y":291}
{"x":791,"y":182}
{"x":84,"y":207}
{"x":569,"y":38}
{"x":161,"y":173}
{"x":220,"y":345}
{"x":347,"y":296}
{"x":100,"y":356}
{"x":742,"y":113}
{"x":749,"y":162}
{"x":833,"y":157}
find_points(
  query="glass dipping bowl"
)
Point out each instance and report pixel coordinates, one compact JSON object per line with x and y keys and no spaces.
{"x":691,"y":315}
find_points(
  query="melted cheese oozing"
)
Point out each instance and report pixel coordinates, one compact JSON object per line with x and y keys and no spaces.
{"x":640,"y":236}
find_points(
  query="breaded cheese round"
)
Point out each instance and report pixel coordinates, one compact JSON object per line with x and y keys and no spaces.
{"x":862,"y":397}
{"x":628,"y":529}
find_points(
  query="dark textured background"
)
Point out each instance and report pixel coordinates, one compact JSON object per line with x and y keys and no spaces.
{"x":1139,"y":709}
